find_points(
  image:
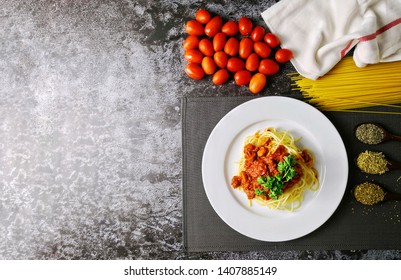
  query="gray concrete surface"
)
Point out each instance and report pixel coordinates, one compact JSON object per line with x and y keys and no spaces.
{"x":90,"y":132}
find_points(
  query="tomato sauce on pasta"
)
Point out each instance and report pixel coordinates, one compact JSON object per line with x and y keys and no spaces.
{"x":274,"y":171}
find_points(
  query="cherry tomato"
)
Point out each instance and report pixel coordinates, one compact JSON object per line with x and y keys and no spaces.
{"x":257,"y":33}
{"x":242,"y":77}
{"x":220,"y":77}
{"x":245,"y":47}
{"x":191,"y":42}
{"x":193,"y":56}
{"x":268,"y":67}
{"x":261,"y":49}
{"x":194,"y":71}
{"x":208,"y":65}
{"x":194,"y":27}
{"x":272,"y":40}
{"x":234,"y":64}
{"x":245,"y":26}
{"x":202,"y":16}
{"x":213,"y":26}
{"x":220,"y":58}
{"x":230,"y":28}
{"x":219,"y":40}
{"x":257,"y":83}
{"x":283,"y":55}
{"x":252,"y":62}
{"x":232,"y":46}
{"x":206,"y":47}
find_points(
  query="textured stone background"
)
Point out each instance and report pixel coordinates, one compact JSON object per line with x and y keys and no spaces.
{"x":90,"y":132}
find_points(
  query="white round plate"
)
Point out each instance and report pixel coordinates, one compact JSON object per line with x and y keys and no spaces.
{"x":223,"y":150}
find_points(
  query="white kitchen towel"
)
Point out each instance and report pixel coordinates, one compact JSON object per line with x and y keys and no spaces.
{"x":321,"y":32}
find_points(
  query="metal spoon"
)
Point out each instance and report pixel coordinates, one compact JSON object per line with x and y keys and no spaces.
{"x":370,"y":194}
{"x":373,"y":133}
{"x":386,"y":164}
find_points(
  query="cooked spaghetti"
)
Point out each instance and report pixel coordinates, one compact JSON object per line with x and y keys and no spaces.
{"x":273,"y":171}
{"x":350,"y":88}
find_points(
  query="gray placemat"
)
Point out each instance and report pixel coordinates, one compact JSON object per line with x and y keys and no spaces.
{"x":351,"y":227}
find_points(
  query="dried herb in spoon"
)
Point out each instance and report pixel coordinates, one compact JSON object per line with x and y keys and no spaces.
{"x":369,"y":193}
{"x":369,"y":133}
{"x":372,"y":162}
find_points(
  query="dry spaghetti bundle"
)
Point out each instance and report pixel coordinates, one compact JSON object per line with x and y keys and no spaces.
{"x":347,"y":87}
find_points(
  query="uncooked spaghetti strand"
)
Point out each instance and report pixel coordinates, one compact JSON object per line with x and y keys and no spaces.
{"x":355,"y":80}
{"x":353,"y":102}
{"x":351,"y":81}
{"x":386,"y":95}
{"x":331,"y":104}
{"x":347,"y":86}
{"x":367,"y":111}
{"x":348,"y":103}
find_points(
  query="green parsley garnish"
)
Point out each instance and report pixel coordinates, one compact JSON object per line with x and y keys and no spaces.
{"x":275,"y":184}
{"x":260,"y":192}
{"x":286,"y":168}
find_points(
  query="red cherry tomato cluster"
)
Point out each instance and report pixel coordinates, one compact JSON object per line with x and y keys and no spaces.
{"x":218,"y":48}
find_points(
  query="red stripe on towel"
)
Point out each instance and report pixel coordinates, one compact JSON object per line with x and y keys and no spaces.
{"x":371,"y":36}
{"x":347,"y":47}
{"x":380,"y":31}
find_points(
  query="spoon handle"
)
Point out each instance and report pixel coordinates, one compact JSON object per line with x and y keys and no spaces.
{"x":392,"y":196}
{"x":394,"y":137}
{"x":392,"y":165}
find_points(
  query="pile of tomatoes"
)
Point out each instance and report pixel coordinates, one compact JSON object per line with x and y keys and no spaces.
{"x":221,"y":49}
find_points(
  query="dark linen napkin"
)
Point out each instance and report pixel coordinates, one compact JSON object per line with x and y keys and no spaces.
{"x":352,"y":227}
